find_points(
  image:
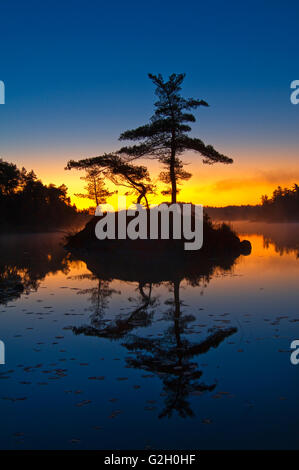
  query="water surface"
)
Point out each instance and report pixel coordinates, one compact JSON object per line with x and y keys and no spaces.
{"x":97,"y":360}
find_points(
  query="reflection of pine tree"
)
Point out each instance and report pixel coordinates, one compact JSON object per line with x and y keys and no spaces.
{"x":99,"y":298}
{"x":170,"y":357}
{"x":123,"y":323}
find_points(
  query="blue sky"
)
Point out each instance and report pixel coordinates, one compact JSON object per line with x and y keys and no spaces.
{"x":76,"y":75}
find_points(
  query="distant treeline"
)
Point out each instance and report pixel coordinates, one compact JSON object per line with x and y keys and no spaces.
{"x":26,"y":204}
{"x":282,"y":206}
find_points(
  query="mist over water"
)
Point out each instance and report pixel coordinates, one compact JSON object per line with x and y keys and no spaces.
{"x":98,"y":359}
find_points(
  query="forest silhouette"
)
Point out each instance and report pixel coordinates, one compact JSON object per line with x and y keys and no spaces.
{"x":282,"y":206}
{"x":26,"y":204}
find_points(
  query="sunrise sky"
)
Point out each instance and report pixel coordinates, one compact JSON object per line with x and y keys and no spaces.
{"x":75,"y":74}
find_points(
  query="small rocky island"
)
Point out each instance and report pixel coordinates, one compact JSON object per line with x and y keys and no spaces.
{"x":219,"y":242}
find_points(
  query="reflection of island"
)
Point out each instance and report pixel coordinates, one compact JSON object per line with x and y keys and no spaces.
{"x":26,"y":259}
{"x":171,"y":355}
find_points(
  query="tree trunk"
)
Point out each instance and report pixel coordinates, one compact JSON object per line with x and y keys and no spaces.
{"x":95,"y":192}
{"x":173,"y":177}
{"x":172,"y":163}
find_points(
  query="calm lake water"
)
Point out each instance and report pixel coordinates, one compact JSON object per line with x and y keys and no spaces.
{"x":96,"y":359}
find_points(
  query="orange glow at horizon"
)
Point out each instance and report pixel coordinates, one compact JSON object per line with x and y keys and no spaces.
{"x":197,"y":190}
{"x":244,"y":182}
